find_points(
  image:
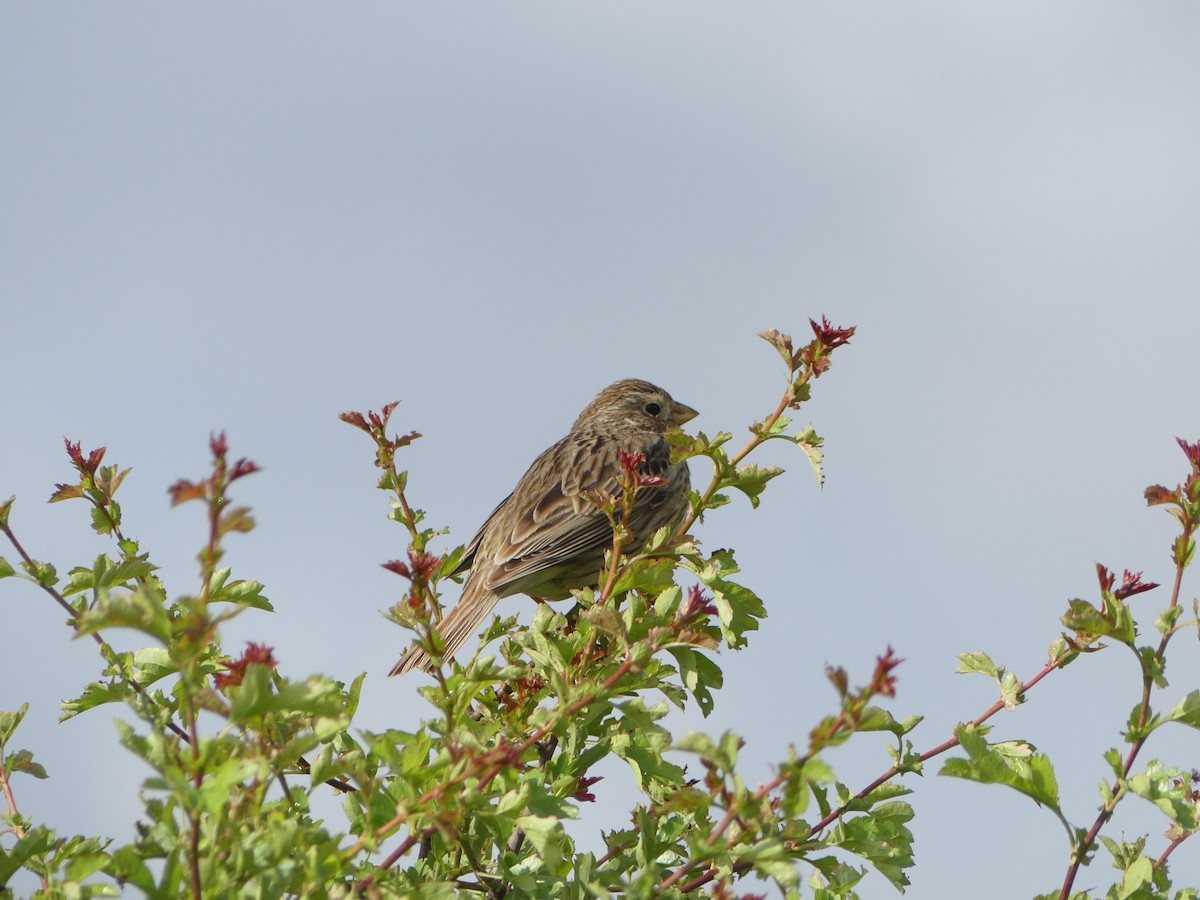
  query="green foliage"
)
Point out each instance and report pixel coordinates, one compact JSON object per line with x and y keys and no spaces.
{"x":473,"y":800}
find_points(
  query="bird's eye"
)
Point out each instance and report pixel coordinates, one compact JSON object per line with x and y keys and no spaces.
{"x":653,"y":408}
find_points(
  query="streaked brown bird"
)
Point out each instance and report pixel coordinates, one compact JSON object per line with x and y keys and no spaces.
{"x":547,"y":537}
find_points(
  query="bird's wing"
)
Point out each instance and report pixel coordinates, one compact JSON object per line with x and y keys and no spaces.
{"x":551,"y":519}
{"x":468,"y":557}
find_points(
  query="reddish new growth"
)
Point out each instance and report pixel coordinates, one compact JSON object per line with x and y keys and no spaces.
{"x":1192,"y":452}
{"x":631,"y":463}
{"x":1157,"y":495}
{"x":419,"y":568}
{"x":588,"y":653}
{"x":84,"y":466}
{"x":831,"y":336}
{"x":521,"y":690}
{"x":883,"y":682}
{"x":582,"y":794}
{"x":220,"y":449}
{"x":373,"y":422}
{"x":254,"y":655}
{"x":1131,"y":583}
{"x":223,"y":475}
{"x":1182,"y":495}
{"x":375,"y":425}
{"x":696,"y":607}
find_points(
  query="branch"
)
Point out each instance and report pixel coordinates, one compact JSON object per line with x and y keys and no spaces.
{"x":12,"y":808}
{"x":108,"y":652}
{"x":1080,"y":853}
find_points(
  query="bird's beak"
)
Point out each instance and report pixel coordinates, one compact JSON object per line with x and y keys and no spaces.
{"x":682,"y":413}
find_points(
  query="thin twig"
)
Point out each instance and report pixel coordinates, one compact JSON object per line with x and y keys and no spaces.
{"x":1106,"y":811}
{"x":1162,"y":860}
{"x":16,"y":817}
{"x":928,"y":754}
{"x":109,"y":652}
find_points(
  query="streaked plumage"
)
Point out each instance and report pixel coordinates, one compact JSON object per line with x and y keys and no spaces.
{"x":546,"y":537}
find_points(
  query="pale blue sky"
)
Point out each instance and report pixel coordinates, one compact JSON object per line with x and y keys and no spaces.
{"x":253,"y":217}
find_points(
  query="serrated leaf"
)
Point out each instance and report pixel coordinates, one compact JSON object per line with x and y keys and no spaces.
{"x":751,"y":480}
{"x":810,"y":444}
{"x":65,"y":492}
{"x":9,"y":721}
{"x":547,"y":836}
{"x":1169,"y":790}
{"x":95,"y":694}
{"x":1137,"y":877}
{"x":782,"y":344}
{"x":141,"y":609}
{"x":977,"y":662}
{"x":22,"y":761}
{"x":699,"y":674}
{"x":243,"y":593}
{"x":1115,"y":622}
{"x":1013,"y":763}
{"x":738,"y":608}
{"x":875,"y":718}
{"x":881,"y":837}
{"x":1186,"y":711}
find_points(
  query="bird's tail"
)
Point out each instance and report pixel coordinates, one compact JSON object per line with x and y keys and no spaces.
{"x":458,"y":625}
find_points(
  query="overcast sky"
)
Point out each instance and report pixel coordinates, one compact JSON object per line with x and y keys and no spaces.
{"x":253,"y":217}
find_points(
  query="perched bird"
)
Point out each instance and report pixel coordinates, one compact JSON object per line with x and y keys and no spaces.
{"x":547,"y":537}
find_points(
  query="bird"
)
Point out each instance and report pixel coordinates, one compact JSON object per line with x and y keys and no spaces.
{"x":549,"y":536}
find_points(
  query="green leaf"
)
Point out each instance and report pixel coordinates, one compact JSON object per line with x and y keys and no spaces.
{"x":253,"y":697}
{"x":881,"y":837}
{"x":6,"y":568}
{"x":875,"y":718}
{"x":34,"y":846}
{"x":649,"y":575}
{"x":1167,"y":620}
{"x":43,"y":573}
{"x":95,"y":694}
{"x":105,"y":573}
{"x":1186,"y":711}
{"x":752,"y":479}
{"x":777,"y":429}
{"x":85,"y":863}
{"x":547,"y":836}
{"x":22,"y":761}
{"x":153,"y":663}
{"x":243,"y":593}
{"x":699,"y":674}
{"x":9,"y":722}
{"x":769,"y":858}
{"x":1012,"y":763}
{"x":810,"y":442}
{"x":642,"y":744}
{"x":1114,"y":621}
{"x":5,"y":508}
{"x":1138,"y":876}
{"x":1170,"y":791}
{"x":106,"y":518}
{"x":1124,"y":854}
{"x":738,"y":608}
{"x":142,"y":610}
{"x":782,"y":344}
{"x":979,"y":662}
{"x":833,"y":878}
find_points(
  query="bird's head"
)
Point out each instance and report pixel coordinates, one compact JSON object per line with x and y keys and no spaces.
{"x":634,"y":404}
